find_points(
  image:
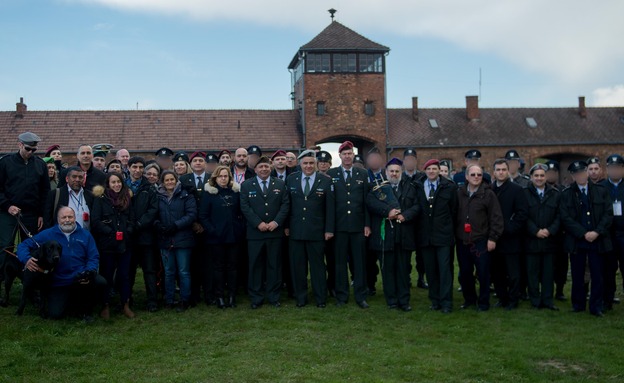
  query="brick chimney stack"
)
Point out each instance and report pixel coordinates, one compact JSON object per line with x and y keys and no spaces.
{"x":582,"y":110}
{"x":20,"y":108}
{"x":472,"y":107}
{"x":415,"y":108}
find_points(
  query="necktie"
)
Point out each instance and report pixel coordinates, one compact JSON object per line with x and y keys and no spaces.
{"x":431,"y":190}
{"x":281,"y":176}
{"x":264,"y":187}
{"x":199,"y":182}
{"x":541,"y":195}
{"x":395,"y":187}
{"x":348,"y":176}
{"x":306,"y":189}
{"x":583,"y":191}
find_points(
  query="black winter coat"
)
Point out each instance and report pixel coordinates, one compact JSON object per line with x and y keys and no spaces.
{"x":220,"y":215}
{"x":435,"y":225}
{"x":514,"y":208}
{"x":543,"y":214}
{"x":145,"y":206}
{"x":179,"y":210}
{"x":107,"y":221}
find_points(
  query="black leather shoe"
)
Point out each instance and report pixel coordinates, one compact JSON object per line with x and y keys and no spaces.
{"x":407,"y":308}
{"x":421,"y":284}
{"x":341,"y":304}
{"x":434,"y":307}
{"x":552,"y":307}
{"x":466,"y":305}
{"x":574,"y":310}
{"x":446,"y":310}
{"x":392,"y":307}
{"x":300,"y":305}
{"x":255,"y":306}
{"x":183,"y":307}
{"x":500,"y":304}
{"x":598,"y":314}
{"x":220,"y":303}
{"x":560,"y":297}
{"x":363,"y":305}
{"x":321,"y":305}
{"x":372,"y":292}
{"x":232,"y":302}
{"x":276,"y":304}
{"x":152,"y":308}
{"x":511,"y":306}
{"x":482,"y":309}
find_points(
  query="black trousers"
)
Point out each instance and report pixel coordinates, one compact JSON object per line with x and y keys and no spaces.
{"x":75,"y":297}
{"x":286,"y":269}
{"x":474,"y":256}
{"x":438,"y":265}
{"x":506,"y":277}
{"x":150,"y":261}
{"x":395,"y":275}
{"x":225,"y":269}
{"x":301,"y":254}
{"x":265,"y":270}
{"x":350,"y":246}
{"x":115,"y":268}
{"x":330,"y":261}
{"x":540,"y":271}
{"x":560,"y":268}
{"x":201,"y":271}
{"x":578,"y":261}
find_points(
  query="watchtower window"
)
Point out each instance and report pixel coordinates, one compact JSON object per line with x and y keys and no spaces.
{"x":318,"y":62}
{"x":369,"y":108}
{"x":344,"y":62}
{"x":371,"y":62}
{"x":320,"y":108}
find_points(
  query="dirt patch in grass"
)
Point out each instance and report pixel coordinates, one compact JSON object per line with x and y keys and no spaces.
{"x":562,"y":366}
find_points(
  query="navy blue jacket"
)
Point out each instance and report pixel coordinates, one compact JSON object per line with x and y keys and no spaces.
{"x":180,"y":210}
{"x":220,"y":215}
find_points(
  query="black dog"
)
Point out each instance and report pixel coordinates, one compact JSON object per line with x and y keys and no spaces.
{"x":47,"y":257}
{"x":10,"y":269}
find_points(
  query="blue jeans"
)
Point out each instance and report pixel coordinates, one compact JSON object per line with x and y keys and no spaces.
{"x":180,"y":260}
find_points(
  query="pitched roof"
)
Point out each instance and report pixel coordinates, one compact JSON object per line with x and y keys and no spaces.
{"x":506,"y":127}
{"x":338,"y":37}
{"x":147,"y":130}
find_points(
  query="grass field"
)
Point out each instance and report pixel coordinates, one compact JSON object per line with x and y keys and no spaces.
{"x":334,"y":344}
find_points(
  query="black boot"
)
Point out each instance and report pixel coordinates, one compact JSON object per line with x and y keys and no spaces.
{"x":220,"y":303}
{"x":232,"y":301}
{"x":182,"y":307}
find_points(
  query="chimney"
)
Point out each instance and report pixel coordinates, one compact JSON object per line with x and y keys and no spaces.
{"x":20,"y":108}
{"x":582,"y":109}
{"x":472,"y":107}
{"x":415,"y":108}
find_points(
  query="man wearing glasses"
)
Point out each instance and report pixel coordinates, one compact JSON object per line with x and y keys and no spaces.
{"x":24,"y":186}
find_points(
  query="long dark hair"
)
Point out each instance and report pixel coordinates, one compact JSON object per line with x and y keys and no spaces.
{"x":121,"y":200}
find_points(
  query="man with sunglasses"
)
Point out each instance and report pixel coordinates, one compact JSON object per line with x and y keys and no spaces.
{"x":24,"y":186}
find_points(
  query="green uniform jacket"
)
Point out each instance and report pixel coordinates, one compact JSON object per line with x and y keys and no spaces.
{"x":312,"y":216}
{"x":257,"y":207}
{"x":351,"y":212}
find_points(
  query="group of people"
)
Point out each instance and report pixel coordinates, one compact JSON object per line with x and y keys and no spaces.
{"x":208,"y":225}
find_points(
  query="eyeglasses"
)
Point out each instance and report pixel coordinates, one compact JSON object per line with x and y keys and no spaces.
{"x":30,"y":149}
{"x":476,"y":175}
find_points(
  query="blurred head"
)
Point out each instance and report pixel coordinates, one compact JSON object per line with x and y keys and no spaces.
{"x":615,"y":172}
{"x":580,"y":177}
{"x":374,"y":161}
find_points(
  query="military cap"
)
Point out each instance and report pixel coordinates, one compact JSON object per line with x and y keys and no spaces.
{"x":113,"y":161}
{"x":52,"y":148}
{"x":254,"y":149}
{"x":347,"y":145}
{"x":181,"y":156}
{"x":409,"y":152}
{"x":538,"y":166}
{"x":211,"y":158}
{"x":279,"y":153}
{"x":473,"y":154}
{"x":394,"y":161}
{"x":593,"y":160}
{"x":164,"y":152}
{"x":512,"y":155}
{"x":445,"y":163}
{"x":358,"y":159}
{"x":48,"y":160}
{"x":307,"y":153}
{"x":553,"y":165}
{"x":263,"y":160}
{"x":323,"y":156}
{"x":432,"y":161}
{"x":29,"y":138}
{"x":373,"y":150}
{"x":100,"y":153}
{"x":577,"y":166}
{"x":224,"y":151}
{"x":106,"y":147}
{"x":196,"y":154}
{"x":615,"y":159}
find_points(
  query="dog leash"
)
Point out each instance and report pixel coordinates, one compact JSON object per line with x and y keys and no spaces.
{"x":25,"y":230}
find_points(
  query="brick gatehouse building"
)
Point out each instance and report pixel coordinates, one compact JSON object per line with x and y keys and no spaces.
{"x":338,"y":93}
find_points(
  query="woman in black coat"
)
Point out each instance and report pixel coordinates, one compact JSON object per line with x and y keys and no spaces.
{"x":224,"y":228}
{"x":112,"y":218}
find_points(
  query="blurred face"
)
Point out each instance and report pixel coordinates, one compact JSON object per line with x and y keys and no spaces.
{"x":164,"y":162}
{"x":225,"y":159}
{"x":115,"y":183}
{"x":99,"y":162}
{"x":615,"y":172}
{"x":291,"y":160}
{"x":374,"y":161}
{"x":471,"y":161}
{"x":308,"y":165}
{"x":595,"y":172}
{"x":263,"y":171}
{"x":51,"y":170}
{"x":514,"y":165}
{"x":223,"y":178}
{"x":211,"y":166}
{"x":474,"y":175}
{"x":152,"y":175}
{"x":581,"y":177}
{"x":198,"y":164}
{"x":252,"y":160}
{"x":74,"y":179}
{"x":240,"y":157}
{"x":169,"y":182}
{"x":179,"y":167}
{"x":432,"y":172}
{"x":346,"y":158}
{"x":123,"y":155}
{"x":66,"y":219}
{"x":501,"y":172}
{"x":538,"y":178}
{"x":85,"y":155}
{"x":136,"y":171}
{"x":393,"y":173}
{"x":324,"y":166}
{"x":56,"y":154}
{"x":444,"y":171}
{"x":410,"y":163}
{"x":114,"y":168}
{"x":26,"y":151}
{"x":279,"y":163}
{"x":552,"y":176}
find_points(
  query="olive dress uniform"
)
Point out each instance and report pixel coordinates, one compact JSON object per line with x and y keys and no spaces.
{"x":312,"y":214}
{"x":264,"y":248}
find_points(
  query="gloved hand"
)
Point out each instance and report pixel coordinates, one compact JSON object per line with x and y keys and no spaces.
{"x":169,"y":229}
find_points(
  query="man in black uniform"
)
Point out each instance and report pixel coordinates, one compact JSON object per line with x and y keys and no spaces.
{"x":561,"y":259}
{"x":410,"y":165}
{"x":323,"y":162}
{"x":587,"y":214}
{"x":253,"y":154}
{"x":513,"y":160}
{"x":613,"y":183}
{"x":352,"y":225}
{"x":163,"y":159}
{"x":594,"y":170}
{"x":265,"y":204}
{"x":472,"y":157}
{"x":311,"y":223}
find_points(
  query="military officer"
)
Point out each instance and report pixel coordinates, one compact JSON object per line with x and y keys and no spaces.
{"x":594,"y":170}
{"x":163,"y":158}
{"x":211,"y":164}
{"x":352,"y":225}
{"x":410,"y":165}
{"x":513,"y":160}
{"x":323,"y":161}
{"x":265,"y":204}
{"x":561,"y":259}
{"x":311,"y":223}
{"x":253,"y":154}
{"x":587,"y":214}
{"x":358,"y":161}
{"x":472,"y":157}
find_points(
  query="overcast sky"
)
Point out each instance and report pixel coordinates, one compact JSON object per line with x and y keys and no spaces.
{"x":205,"y":54}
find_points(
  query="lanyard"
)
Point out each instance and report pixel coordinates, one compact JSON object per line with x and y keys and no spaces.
{"x":77,"y":200}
